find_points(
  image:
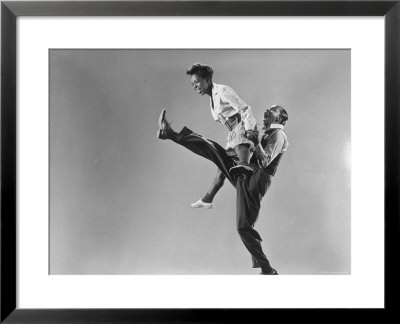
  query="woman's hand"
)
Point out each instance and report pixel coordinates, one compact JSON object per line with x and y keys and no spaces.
{"x":252,"y":135}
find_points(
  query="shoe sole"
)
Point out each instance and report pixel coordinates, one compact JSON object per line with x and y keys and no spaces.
{"x":206,"y":207}
{"x":160,"y":120}
{"x":237,"y":172}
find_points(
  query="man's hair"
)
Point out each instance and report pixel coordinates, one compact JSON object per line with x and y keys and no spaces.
{"x":202,"y":70}
{"x":283,"y":115}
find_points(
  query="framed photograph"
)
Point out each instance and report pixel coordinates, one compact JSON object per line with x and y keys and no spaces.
{"x":108,"y":216}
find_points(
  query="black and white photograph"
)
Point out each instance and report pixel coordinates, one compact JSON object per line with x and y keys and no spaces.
{"x":199,"y":161}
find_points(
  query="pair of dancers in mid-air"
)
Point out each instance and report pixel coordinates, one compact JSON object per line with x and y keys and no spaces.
{"x":249,"y":161}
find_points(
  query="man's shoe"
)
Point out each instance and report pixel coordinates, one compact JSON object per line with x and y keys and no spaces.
{"x":164,"y":127}
{"x":202,"y":204}
{"x":272,"y":271}
{"x":241,"y":169}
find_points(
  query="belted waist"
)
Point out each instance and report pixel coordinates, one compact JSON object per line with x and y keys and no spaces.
{"x":233,"y":121}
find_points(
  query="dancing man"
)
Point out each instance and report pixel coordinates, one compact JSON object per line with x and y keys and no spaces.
{"x":250,"y":188}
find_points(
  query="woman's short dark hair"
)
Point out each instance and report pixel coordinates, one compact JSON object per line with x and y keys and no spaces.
{"x":203,"y":70}
{"x":283,"y":115}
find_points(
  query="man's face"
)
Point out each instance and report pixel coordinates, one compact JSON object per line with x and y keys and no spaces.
{"x":200,"y":85}
{"x":271,"y":116}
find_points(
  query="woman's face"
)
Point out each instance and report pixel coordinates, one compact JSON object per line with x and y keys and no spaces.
{"x":200,"y":85}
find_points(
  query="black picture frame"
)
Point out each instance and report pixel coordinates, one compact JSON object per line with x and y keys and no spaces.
{"x":11,"y":10}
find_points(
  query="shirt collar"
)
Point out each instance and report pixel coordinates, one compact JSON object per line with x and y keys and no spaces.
{"x":274,"y":126}
{"x":215,"y":89}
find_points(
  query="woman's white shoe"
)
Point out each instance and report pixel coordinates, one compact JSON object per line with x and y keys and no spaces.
{"x":201,"y":204}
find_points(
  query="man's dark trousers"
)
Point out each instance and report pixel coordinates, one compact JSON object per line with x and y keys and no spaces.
{"x":249,"y":189}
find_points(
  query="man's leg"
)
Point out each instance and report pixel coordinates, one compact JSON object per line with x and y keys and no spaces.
{"x":249,"y":194}
{"x":199,"y":145}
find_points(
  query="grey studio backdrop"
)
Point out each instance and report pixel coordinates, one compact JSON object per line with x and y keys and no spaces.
{"x":120,"y":198}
